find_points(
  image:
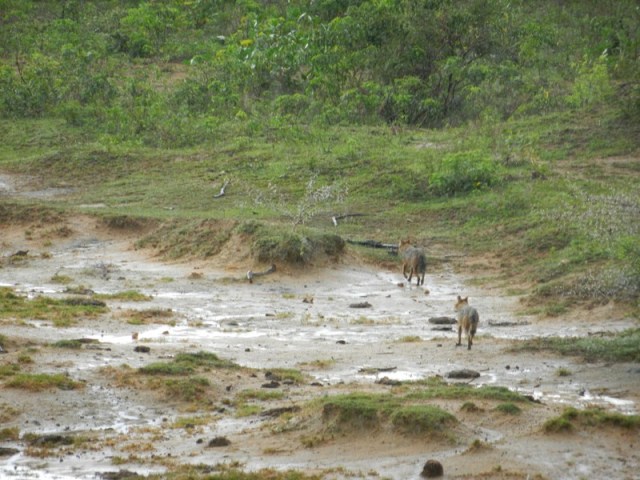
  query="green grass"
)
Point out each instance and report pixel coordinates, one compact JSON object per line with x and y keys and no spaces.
{"x":361,"y":411}
{"x":434,"y":387}
{"x":615,"y":347}
{"x":189,"y":389}
{"x":225,"y":471}
{"x":572,"y":418}
{"x":290,"y":375}
{"x":62,"y":312}
{"x":187,"y":363}
{"x":509,"y":408}
{"x":562,"y":222}
{"x":260,"y":395}
{"x":125,"y":296}
{"x":36,"y":382}
{"x":72,"y":344}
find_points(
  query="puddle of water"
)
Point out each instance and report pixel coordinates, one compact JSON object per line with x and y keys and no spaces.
{"x":268,"y":325}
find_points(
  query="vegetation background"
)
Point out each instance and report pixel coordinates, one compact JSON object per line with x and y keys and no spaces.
{"x":508,"y":128}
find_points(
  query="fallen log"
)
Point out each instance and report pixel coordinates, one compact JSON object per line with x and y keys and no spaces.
{"x":251,"y":274}
{"x":392,"y":247}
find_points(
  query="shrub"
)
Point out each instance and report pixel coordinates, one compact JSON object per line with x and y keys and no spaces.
{"x":460,"y":173}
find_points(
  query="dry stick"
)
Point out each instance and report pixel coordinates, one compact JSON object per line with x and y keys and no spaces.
{"x":251,"y":275}
{"x":335,"y":218}
{"x":221,"y":190}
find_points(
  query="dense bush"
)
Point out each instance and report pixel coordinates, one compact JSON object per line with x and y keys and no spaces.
{"x":400,"y":62}
{"x":463,"y":172}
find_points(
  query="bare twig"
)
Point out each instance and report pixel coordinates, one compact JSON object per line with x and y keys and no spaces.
{"x":251,"y":275}
{"x":221,"y":190}
{"x":335,"y":218}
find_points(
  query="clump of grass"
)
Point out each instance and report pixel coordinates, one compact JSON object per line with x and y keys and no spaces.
{"x":358,"y":411}
{"x":152,"y":315}
{"x":188,"y":389}
{"x":477,"y":446}
{"x":75,"y":344}
{"x":571,"y":418}
{"x":287,"y":375}
{"x":617,"y":347}
{"x":563,"y":372}
{"x":125,"y":296}
{"x":509,"y":408}
{"x":8,"y":412}
{"x":320,"y":363}
{"x":24,"y":359}
{"x":190,"y":422}
{"x":36,"y":382}
{"x":247,"y":410}
{"x":421,"y":419}
{"x":186,"y":363}
{"x":62,"y":312}
{"x":61,"y":279}
{"x":410,"y":339}
{"x":9,"y":369}
{"x":261,"y":395}
{"x":470,"y":407}
{"x":436,"y":387}
{"x":9,"y":433}
{"x":277,"y":244}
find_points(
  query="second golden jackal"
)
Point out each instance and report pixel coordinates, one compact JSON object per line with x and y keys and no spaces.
{"x":414,"y":261}
{"x":468,"y":319}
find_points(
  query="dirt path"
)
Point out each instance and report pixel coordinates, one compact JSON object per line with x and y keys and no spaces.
{"x":289,"y":320}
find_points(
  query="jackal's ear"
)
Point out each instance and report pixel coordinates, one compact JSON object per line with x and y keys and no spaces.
{"x":459,"y":298}
{"x":465,"y":299}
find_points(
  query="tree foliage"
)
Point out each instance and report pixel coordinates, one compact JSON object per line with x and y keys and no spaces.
{"x":417,"y":62}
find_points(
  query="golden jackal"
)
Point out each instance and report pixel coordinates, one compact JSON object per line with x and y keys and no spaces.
{"x":413,"y":260}
{"x":468,"y":319}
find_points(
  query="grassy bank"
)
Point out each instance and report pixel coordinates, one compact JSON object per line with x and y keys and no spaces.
{"x":553,"y":198}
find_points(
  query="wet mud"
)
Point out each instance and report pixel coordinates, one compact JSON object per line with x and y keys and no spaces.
{"x":299,"y":320}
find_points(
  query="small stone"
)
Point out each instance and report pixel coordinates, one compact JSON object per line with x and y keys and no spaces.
{"x":219,"y":442}
{"x":432,"y":469}
{"x":465,"y":373}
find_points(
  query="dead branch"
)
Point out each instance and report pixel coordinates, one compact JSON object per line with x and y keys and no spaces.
{"x":335,"y":218}
{"x":251,"y":274}
{"x":221,"y":190}
{"x":392,"y":247}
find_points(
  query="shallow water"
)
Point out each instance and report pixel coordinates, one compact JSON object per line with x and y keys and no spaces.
{"x":269,"y":324}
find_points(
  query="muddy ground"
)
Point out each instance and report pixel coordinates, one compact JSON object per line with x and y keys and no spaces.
{"x":292,"y":319}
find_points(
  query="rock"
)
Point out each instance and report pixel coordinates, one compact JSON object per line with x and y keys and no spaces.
{"x":442,"y":329}
{"x":142,"y":349}
{"x":271,"y":384}
{"x":389,"y":381}
{"x":272,"y":376}
{"x":276,"y":412}
{"x":8,"y":452}
{"x":496,"y":323}
{"x":442,"y":320}
{"x":465,"y":373}
{"x":360,"y":305}
{"x":219,"y":442}
{"x":432,"y":469}
{"x":119,"y":475}
{"x":51,"y":440}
